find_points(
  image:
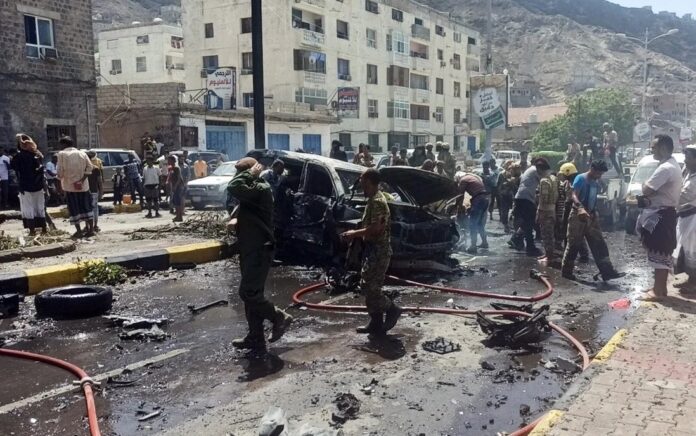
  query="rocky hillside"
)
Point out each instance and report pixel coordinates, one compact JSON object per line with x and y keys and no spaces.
{"x":564,"y":44}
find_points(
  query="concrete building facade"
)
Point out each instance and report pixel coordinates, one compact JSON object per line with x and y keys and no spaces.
{"x":392,"y":71}
{"x":47,"y":76}
{"x":668,"y":107}
{"x":141,"y":53}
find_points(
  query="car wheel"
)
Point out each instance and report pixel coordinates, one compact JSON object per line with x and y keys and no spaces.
{"x":76,"y":301}
{"x":198,"y":206}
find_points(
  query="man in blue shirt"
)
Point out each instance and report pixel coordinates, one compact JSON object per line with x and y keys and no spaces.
{"x":583,"y":223}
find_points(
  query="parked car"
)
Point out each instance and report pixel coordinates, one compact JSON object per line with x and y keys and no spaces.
{"x":212,"y":157}
{"x":646,"y":167}
{"x":113,"y":158}
{"x":326,"y":201}
{"x":211,"y":190}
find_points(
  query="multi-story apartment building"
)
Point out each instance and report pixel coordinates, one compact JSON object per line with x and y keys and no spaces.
{"x":393,"y":71}
{"x":141,"y":53}
{"x":47,"y":78}
{"x":668,"y":107}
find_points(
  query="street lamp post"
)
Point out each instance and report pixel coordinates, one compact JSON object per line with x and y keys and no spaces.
{"x":647,"y":41}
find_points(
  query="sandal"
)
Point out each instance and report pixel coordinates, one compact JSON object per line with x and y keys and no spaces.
{"x":651,"y":297}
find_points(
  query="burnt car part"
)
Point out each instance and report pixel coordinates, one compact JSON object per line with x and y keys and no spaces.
{"x":517,"y":333}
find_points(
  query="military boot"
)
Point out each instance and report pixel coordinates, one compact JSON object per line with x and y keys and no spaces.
{"x":250,"y":342}
{"x":375,"y":326}
{"x":254,"y":340}
{"x":392,"y":316}
{"x":280,"y":324}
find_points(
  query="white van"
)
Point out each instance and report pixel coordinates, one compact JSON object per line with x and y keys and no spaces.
{"x":646,"y":167}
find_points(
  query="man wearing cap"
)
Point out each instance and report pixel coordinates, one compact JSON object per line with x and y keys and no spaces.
{"x":377,"y":251}
{"x":446,"y":157}
{"x":685,"y":253}
{"x":567,"y":174}
{"x":583,"y":224}
{"x":255,"y":236}
{"x":526,"y":207}
{"x":429,"y":151}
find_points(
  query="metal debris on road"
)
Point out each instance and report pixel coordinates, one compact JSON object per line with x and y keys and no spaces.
{"x":207,"y":306}
{"x":517,"y":333}
{"x":154,"y":333}
{"x":136,"y":322}
{"x":441,"y":345}
{"x":150,"y":415}
{"x":348,"y":408}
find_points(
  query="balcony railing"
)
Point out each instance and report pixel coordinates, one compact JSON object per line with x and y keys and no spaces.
{"x":420,"y":95}
{"x":401,"y":59}
{"x":421,"y":32}
{"x":420,"y":63}
{"x":402,"y":124}
{"x":314,"y":77}
{"x":317,"y":3}
{"x":313,"y":39}
{"x":421,"y":125}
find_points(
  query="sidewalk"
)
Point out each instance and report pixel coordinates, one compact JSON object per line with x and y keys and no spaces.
{"x":647,"y":384}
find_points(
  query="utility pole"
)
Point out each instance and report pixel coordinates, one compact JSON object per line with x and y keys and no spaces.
{"x":257,"y":65}
{"x":645,"y":74}
{"x":488,"y":150}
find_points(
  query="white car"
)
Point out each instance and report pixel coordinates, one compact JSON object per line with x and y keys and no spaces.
{"x":211,"y":190}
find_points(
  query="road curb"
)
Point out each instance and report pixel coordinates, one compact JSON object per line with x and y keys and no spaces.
{"x":34,"y":280}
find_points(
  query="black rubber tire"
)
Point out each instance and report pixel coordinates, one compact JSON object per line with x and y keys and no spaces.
{"x":9,"y":305}
{"x":75,"y":301}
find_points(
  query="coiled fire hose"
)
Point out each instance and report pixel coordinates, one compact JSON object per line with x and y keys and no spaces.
{"x":84,"y":380}
{"x":297,"y":298}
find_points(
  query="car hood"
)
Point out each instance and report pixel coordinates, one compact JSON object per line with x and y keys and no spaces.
{"x":211,"y":180}
{"x":423,"y":187}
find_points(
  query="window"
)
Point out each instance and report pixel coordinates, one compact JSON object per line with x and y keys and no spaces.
{"x":341,"y":29}
{"x":38,"y":33}
{"x":440,"y":55}
{"x":439,"y":30}
{"x":171,"y":64}
{"x":371,"y":6}
{"x":439,"y":86}
{"x":246,"y":25}
{"x":398,"y":109}
{"x":116,"y":66}
{"x":248,"y":98}
{"x":177,"y":42}
{"x":54,"y":133}
{"x":396,"y":42}
{"x":209,"y":30}
{"x":397,"y":15}
{"x":397,"y":76}
{"x":457,"y":89}
{"x":457,"y":116}
{"x":247,"y":63}
{"x":439,"y":114}
{"x":210,"y":63}
{"x":420,"y":112}
{"x":311,"y":96}
{"x":312,"y":61}
{"x":142,"y":39}
{"x":373,"y":141}
{"x":418,"y":21}
{"x":344,"y":69}
{"x":372,"y":111}
{"x":315,"y":22}
{"x":371,"y":36}
{"x":344,"y":138}
{"x":471,"y":41}
{"x":419,"y":82}
{"x":456,"y":62}
{"x":457,"y":37}
{"x":141,"y":64}
{"x":112,"y":43}
{"x":371,"y":74}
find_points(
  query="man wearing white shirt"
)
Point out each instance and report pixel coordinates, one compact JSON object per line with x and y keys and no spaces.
{"x":151,"y":179}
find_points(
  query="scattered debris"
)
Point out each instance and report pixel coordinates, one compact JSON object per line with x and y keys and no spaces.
{"x":273,"y":423}
{"x":341,"y":281}
{"x":525,"y":410}
{"x":487,"y":366}
{"x":154,"y":333}
{"x":567,"y":365}
{"x":348,"y":407}
{"x":621,"y":303}
{"x":527,"y":308}
{"x":136,"y":322}
{"x":212,"y":225}
{"x":205,"y":307}
{"x":150,"y":415}
{"x":441,"y":345}
{"x":308,"y":430}
{"x":516,"y":333}
{"x":9,"y":305}
{"x":369,"y":388}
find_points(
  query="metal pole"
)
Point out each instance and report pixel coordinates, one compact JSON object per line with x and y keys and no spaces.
{"x":645,"y":76}
{"x":488,"y":150}
{"x":257,"y":63}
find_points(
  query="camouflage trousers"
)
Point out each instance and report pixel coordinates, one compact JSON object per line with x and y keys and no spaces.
{"x":374,"y":267}
{"x":578,"y":232}
{"x":547,"y":224}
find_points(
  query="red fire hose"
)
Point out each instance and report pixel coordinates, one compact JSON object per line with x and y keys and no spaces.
{"x":85,"y":381}
{"x":297,"y":299}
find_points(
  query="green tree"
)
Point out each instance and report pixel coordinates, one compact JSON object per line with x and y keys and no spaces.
{"x":588,"y":111}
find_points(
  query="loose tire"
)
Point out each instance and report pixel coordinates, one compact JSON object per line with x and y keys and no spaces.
{"x":76,"y":301}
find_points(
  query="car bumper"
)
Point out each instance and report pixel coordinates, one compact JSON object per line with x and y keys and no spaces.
{"x":206,"y":197}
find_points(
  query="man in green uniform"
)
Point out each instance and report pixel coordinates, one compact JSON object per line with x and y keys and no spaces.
{"x":254,"y":225}
{"x":546,"y":215}
{"x":377,"y":252}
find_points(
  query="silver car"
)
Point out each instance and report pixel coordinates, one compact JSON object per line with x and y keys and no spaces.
{"x":211,"y":190}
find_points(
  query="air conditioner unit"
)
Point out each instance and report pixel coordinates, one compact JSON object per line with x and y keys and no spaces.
{"x":204,"y":73}
{"x":170,"y":67}
{"x":48,"y":53}
{"x":344,"y":77}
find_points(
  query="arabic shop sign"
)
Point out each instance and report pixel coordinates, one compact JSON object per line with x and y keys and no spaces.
{"x":349,"y":102}
{"x":489,"y":100}
{"x":487,"y":106}
{"x":221,"y":84}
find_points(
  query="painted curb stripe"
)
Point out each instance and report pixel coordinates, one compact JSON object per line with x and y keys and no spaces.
{"x":547,"y":422}
{"x":611,"y":346}
{"x":53,"y":276}
{"x":152,"y":260}
{"x":195,"y":253}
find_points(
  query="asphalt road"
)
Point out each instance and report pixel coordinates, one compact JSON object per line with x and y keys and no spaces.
{"x":208,"y":388}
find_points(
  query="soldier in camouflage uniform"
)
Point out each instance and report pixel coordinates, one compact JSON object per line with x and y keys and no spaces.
{"x":376,"y":233}
{"x":508,"y":182}
{"x":546,"y":214}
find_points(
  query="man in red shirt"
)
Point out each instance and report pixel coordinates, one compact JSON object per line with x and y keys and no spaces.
{"x":480,"y":199}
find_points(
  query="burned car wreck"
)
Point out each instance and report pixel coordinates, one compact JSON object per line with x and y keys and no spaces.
{"x":320,"y":198}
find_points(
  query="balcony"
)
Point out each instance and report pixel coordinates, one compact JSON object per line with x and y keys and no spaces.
{"x":313,"y":77}
{"x":420,"y":63}
{"x":402,"y":124}
{"x":399,"y":93}
{"x":401,"y":59}
{"x":421,"y":126}
{"x":420,"y":96}
{"x":311,"y":38}
{"x":316,"y":3}
{"x":420,"y":32}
